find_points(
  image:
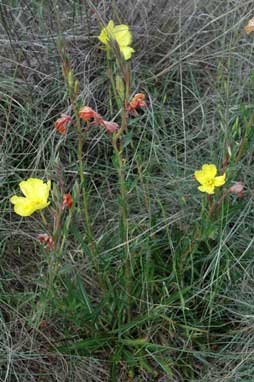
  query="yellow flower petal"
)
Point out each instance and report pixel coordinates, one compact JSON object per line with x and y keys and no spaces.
{"x":210,"y":170}
{"x":207,"y":189}
{"x":127,"y":52}
{"x":122,"y":35}
{"x":107,"y":33}
{"x":34,"y":188}
{"x":29,"y":186}
{"x":22,"y":206}
{"x":200,"y":176}
{"x":220,"y":180}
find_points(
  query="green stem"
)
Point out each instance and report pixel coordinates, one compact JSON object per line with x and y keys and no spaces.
{"x":118,"y":147}
{"x":90,"y":236}
{"x":117,"y":142}
{"x":215,"y":206}
{"x":244,"y":142}
{"x":124,"y":220}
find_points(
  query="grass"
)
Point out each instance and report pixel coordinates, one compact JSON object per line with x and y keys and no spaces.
{"x":170,"y":298}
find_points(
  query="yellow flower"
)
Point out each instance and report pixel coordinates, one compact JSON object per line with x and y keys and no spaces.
{"x":36,"y":196}
{"x":208,"y":179}
{"x":120,"y":34}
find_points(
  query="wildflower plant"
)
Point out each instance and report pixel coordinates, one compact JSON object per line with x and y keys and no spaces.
{"x":117,"y":38}
{"x":38,"y":195}
{"x":146,"y":280}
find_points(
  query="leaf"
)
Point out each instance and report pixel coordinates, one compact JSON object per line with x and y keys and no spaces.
{"x":86,"y":346}
{"x":127,"y":138}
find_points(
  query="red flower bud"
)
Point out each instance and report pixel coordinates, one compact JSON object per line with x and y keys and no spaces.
{"x":137,"y":101}
{"x":86,"y":113}
{"x":46,"y":240}
{"x":67,"y":202}
{"x":60,"y":124}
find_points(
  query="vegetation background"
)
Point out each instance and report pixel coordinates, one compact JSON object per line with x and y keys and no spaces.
{"x":194,"y":62}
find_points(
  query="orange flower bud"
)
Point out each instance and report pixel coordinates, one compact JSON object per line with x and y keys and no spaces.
{"x":86,"y":113}
{"x":250,"y":26}
{"x":137,"y":101}
{"x":67,"y":202}
{"x":60,"y":124}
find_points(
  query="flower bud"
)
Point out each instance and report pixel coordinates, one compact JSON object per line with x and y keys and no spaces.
{"x":237,"y":188}
{"x":111,"y":127}
{"x":67,"y":202}
{"x":76,"y":87}
{"x":137,"y":101}
{"x":120,"y":87}
{"x":70,"y":79}
{"x":86,"y":113}
{"x":46,"y":240}
{"x":60,"y":124}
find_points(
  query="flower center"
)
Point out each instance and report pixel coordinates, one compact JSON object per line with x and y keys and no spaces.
{"x":210,"y":182}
